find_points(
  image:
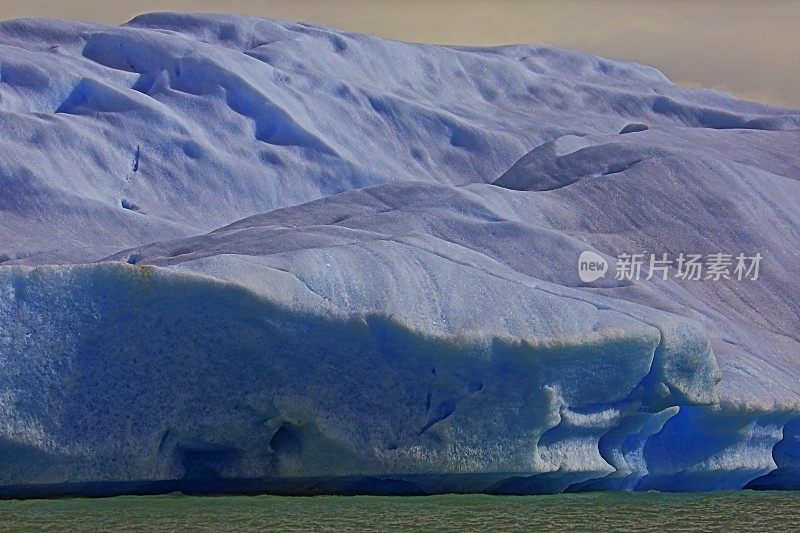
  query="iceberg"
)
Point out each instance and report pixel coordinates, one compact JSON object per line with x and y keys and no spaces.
{"x":242,"y":255}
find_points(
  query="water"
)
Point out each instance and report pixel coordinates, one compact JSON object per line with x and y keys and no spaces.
{"x":737,"y":511}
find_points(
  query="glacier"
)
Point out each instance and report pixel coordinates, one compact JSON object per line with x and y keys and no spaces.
{"x":242,"y":255}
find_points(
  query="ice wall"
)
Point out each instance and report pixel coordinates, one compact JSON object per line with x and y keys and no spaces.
{"x":241,"y":255}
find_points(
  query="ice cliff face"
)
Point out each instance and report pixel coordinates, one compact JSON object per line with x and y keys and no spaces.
{"x":247,"y":255}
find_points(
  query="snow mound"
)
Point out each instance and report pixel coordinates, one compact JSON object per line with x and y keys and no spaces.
{"x":243,"y":255}
{"x":200,"y":120}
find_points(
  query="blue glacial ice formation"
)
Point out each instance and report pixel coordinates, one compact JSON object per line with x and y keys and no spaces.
{"x":242,"y":255}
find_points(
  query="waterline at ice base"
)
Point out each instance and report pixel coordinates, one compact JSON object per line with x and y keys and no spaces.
{"x":250,"y":256}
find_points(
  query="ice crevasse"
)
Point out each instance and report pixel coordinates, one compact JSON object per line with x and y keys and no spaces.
{"x":244,"y":255}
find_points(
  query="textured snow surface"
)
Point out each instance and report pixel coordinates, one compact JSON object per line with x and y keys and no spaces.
{"x":249,"y":255}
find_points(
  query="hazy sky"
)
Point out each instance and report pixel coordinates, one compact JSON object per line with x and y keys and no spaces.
{"x":748,"y":47}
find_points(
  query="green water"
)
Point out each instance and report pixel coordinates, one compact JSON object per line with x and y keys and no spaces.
{"x":739,"y":511}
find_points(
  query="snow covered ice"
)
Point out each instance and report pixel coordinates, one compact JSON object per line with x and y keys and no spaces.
{"x":248,"y":255}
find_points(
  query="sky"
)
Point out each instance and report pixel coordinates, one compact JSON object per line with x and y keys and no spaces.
{"x":750,"y":48}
